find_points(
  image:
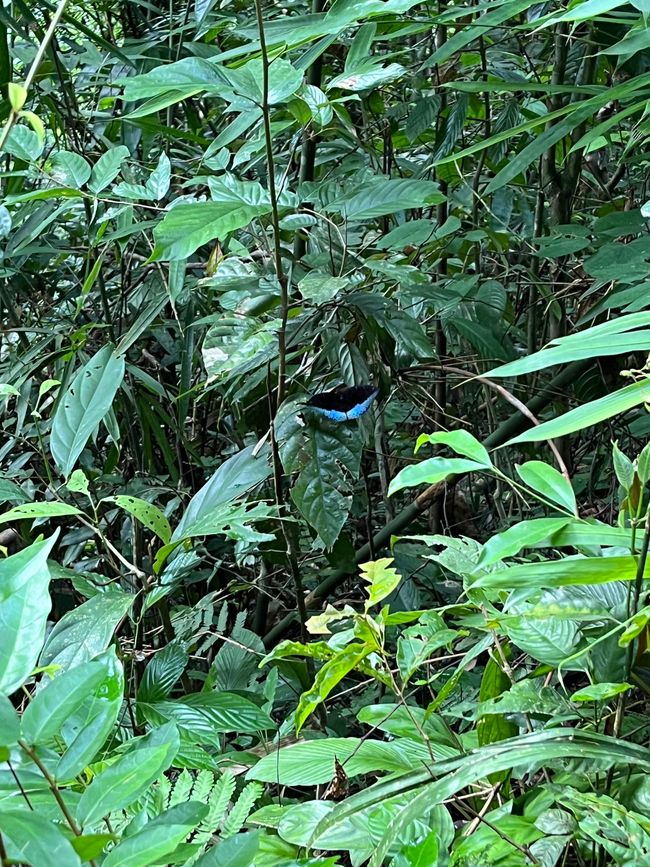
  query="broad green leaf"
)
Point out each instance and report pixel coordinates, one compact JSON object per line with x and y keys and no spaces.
{"x":457,"y":774}
{"x":70,"y":169}
{"x":31,"y":511}
{"x":10,"y":492}
{"x":85,"y":731}
{"x":600,"y":691}
{"x":162,"y":672}
{"x":329,"y":676}
{"x":367,"y":77}
{"x":525,"y":534}
{"x":549,"y":640}
{"x":381,"y":196}
{"x":86,"y":630}
{"x":159,"y":179}
{"x":234,"y":341}
{"x":588,"y":414}
{"x":623,"y":467}
{"x":9,"y":723}
{"x":241,"y":850}
{"x":635,"y":627}
{"x":235,"y":477}
{"x":24,"y":144}
{"x":83,"y":405}
{"x":107,"y":168}
{"x":32,"y":839}
{"x":432,"y":471}
{"x":148,"y":514}
{"x":311,"y":763}
{"x":186,"y":77}
{"x":460,"y":441}
{"x":586,"y":10}
{"x":382,"y":580}
{"x":284,"y":81}
{"x":186,"y":227}
{"x":561,"y":573}
{"x":24,"y":606}
{"x":548,"y":482}
{"x":121,"y":783}
{"x":494,"y":727}
{"x":213,"y":712}
{"x":590,"y":346}
{"x":49,"y":709}
{"x":158,"y":838}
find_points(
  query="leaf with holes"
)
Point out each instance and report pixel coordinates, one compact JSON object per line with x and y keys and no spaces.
{"x":148,"y":514}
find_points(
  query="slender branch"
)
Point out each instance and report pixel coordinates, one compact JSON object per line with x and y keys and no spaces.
{"x":56,"y":794}
{"x":33,"y":69}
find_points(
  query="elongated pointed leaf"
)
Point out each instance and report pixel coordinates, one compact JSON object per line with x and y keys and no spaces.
{"x":85,"y":403}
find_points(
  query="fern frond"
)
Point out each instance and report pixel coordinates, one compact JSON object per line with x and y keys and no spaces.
{"x":240,"y":811}
{"x":181,"y":788}
{"x":218,"y":802}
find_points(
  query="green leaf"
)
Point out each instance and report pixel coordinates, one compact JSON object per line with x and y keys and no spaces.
{"x":548,"y":482}
{"x":24,"y":144}
{"x":162,"y":672}
{"x":381,"y":196}
{"x":235,"y":477}
{"x":460,"y":441}
{"x":121,"y":783}
{"x":10,"y":492}
{"x":329,"y":676}
{"x":31,"y":839}
{"x":70,"y":169}
{"x":525,"y":534}
{"x":107,"y":168}
{"x":49,"y":709}
{"x":623,"y":467}
{"x":432,"y":471}
{"x":588,"y":414}
{"x":188,"y":76}
{"x":160,"y":178}
{"x":86,"y":630}
{"x":367,"y":76}
{"x":238,"y":851}
{"x":549,"y":640}
{"x":311,"y":763}
{"x":186,"y":227}
{"x":148,"y":514}
{"x":561,"y":573}
{"x":24,"y":599}
{"x":284,"y":81}
{"x":158,"y":838}
{"x":457,"y":774}
{"x":30,"y":511}
{"x":211,"y":712}
{"x":9,"y":723}
{"x":600,"y":691}
{"x":382,"y":580}
{"x":87,"y":728}
{"x":83,"y":405}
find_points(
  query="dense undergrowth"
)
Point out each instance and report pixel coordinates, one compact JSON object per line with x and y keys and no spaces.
{"x":235,"y":632}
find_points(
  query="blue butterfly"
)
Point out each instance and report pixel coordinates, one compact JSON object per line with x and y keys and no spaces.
{"x":343,"y":404}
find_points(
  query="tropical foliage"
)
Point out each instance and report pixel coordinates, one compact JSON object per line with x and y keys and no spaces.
{"x":234,"y":631}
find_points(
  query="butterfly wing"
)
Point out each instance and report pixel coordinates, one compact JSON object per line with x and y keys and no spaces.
{"x":343,"y":404}
{"x":332,"y":414}
{"x":363,"y":406}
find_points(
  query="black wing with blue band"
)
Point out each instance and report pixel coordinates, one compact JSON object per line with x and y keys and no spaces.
{"x":344,"y":404}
